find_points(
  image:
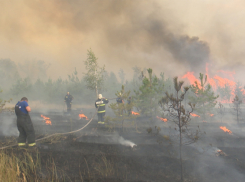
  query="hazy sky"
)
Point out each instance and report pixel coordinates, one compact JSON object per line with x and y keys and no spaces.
{"x":170,"y":36}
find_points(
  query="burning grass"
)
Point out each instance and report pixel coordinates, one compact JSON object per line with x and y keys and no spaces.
{"x":225,"y":129}
{"x":47,"y":120}
{"x":163,"y":119}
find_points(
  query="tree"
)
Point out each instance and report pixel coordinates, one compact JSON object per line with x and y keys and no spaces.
{"x":94,"y":77}
{"x":121,"y":75}
{"x":21,"y":86}
{"x":173,"y":104}
{"x":203,"y":97}
{"x":236,"y":106}
{"x":221,"y":110}
{"x":122,"y":111}
{"x":225,"y":92}
{"x":239,"y":91}
{"x":148,"y":95}
{"x":3,"y":102}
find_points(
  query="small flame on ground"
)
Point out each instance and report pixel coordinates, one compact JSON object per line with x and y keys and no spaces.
{"x":211,"y":115}
{"x":135,"y":113}
{"x":163,"y":119}
{"x":194,"y":115}
{"x":47,"y":120}
{"x":81,"y":116}
{"x":225,"y":129}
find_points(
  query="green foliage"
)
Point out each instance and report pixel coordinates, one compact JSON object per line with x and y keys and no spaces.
{"x":224,"y":92}
{"x":203,"y":96}
{"x":121,"y":75}
{"x":239,"y":91}
{"x":149,"y":93}
{"x":221,"y":110}
{"x":21,"y":86}
{"x":3,"y":102}
{"x":122,"y":111}
{"x":236,"y":107}
{"x":94,"y":77}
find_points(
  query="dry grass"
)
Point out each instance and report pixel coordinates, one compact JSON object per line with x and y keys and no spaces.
{"x":24,"y":166}
{"x":105,"y":167}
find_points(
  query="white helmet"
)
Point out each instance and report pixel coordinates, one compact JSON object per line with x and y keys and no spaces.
{"x":100,"y":96}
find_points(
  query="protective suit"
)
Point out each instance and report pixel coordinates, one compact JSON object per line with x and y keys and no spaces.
{"x":100,"y":105}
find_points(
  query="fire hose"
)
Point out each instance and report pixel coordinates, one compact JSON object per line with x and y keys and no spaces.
{"x":1,"y":148}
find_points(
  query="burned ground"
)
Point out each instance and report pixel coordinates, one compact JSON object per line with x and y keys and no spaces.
{"x":94,"y":154}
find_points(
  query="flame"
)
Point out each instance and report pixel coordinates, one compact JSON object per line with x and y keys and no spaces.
{"x":47,"y":120}
{"x":194,"y":115}
{"x":211,"y":115}
{"x":135,"y":113}
{"x":192,"y":79}
{"x":163,"y":119}
{"x":44,"y":117}
{"x":83,"y":116}
{"x":221,"y":79}
{"x":225,"y":129}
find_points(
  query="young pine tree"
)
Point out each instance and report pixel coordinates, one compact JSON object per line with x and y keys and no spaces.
{"x":203,"y":97}
{"x":174,"y":105}
{"x":148,"y":95}
{"x":236,"y":107}
{"x":122,"y":111}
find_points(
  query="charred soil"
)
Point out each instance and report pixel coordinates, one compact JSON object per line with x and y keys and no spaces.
{"x":94,"y":154}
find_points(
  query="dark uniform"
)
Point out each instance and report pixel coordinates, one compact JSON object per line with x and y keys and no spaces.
{"x":100,"y":104}
{"x":119,"y":102}
{"x":129,"y":101}
{"x":24,"y":125}
{"x":68,"y":99}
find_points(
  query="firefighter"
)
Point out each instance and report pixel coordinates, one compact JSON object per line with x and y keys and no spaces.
{"x":68,"y":99}
{"x":100,"y":105}
{"x":129,"y":101}
{"x":120,"y":101}
{"x":24,"y":124}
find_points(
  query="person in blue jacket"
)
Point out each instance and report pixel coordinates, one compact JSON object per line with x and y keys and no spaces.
{"x":24,"y":124}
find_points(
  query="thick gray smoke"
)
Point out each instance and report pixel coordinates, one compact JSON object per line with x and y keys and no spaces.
{"x":125,"y":33}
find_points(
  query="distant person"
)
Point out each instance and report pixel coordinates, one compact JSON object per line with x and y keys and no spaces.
{"x":68,"y":99}
{"x":100,"y":105}
{"x":129,"y":101}
{"x":120,"y":101}
{"x":24,"y":124}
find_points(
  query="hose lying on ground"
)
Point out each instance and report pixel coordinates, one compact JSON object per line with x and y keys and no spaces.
{"x":59,"y":133}
{"x":56,"y":133}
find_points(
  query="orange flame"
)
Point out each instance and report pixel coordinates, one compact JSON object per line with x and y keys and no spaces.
{"x":163,"y":119}
{"x":211,"y":115}
{"x":47,"y":120}
{"x":135,"y":113}
{"x":194,"y":115}
{"x":221,"y":79}
{"x":225,"y":129}
{"x":192,"y":79}
{"x":81,"y":116}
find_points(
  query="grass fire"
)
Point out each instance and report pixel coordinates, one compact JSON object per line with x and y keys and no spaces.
{"x":122,"y":91}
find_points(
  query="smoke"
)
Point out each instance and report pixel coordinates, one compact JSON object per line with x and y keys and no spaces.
{"x":145,"y":32}
{"x":8,"y":125}
{"x":124,"y":142}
